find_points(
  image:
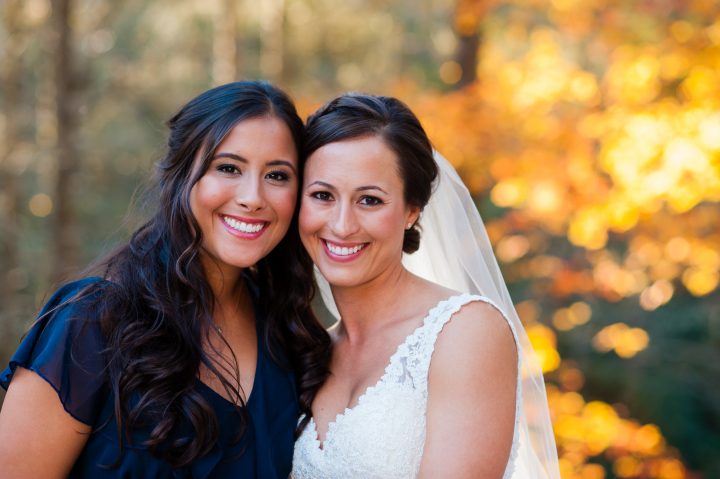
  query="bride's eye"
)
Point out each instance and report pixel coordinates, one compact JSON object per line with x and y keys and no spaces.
{"x":321,"y":195}
{"x":370,"y":201}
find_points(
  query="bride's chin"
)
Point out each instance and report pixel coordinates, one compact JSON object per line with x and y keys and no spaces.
{"x":340,"y":280}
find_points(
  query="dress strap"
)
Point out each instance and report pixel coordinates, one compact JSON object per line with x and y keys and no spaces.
{"x":421,"y":345}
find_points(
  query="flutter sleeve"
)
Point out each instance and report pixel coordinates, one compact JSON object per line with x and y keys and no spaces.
{"x":65,"y":347}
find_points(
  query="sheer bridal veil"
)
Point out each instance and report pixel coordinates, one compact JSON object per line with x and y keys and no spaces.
{"x":455,"y":251}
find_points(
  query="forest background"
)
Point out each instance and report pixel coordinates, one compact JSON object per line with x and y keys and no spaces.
{"x":587,"y":130}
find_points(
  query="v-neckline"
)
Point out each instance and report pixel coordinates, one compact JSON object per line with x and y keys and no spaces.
{"x":258,"y":362}
{"x":225,"y":400}
{"x":341,"y":415}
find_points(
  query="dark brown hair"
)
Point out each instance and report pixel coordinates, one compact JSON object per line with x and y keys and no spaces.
{"x":156,"y":308}
{"x":355,"y":115}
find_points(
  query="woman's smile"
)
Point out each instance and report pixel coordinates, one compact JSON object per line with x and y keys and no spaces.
{"x":244,"y":227}
{"x":343,"y":252}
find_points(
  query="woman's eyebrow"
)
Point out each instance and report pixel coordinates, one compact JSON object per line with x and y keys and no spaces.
{"x":232,"y":156}
{"x":359,"y":188}
{"x":283,"y":163}
{"x":322,"y":184}
{"x":370,"y":187}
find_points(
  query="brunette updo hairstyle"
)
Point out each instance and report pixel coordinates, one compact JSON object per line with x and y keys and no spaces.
{"x":355,"y":115}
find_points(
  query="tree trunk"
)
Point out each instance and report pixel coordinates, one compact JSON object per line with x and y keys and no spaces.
{"x":65,"y":241}
{"x":225,"y":54}
{"x":468,"y":19}
{"x":11,"y":78}
{"x":10,"y":187}
{"x":272,"y":26}
{"x":467,"y":58}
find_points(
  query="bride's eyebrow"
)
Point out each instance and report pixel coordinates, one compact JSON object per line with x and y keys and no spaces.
{"x":328,"y":186}
{"x":322,"y":184}
{"x":370,"y":187}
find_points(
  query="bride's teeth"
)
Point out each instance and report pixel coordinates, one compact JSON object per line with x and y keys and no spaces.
{"x":242,"y":226}
{"x":344,"y":250}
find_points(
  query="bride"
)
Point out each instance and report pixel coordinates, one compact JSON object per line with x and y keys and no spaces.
{"x":431,"y":375}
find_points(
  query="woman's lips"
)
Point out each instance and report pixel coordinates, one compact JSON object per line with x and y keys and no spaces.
{"x":343,"y":252}
{"x":244,"y":227}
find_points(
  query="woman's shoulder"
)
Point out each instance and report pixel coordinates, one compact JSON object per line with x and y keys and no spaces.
{"x":478,"y":335}
{"x":77,"y":294}
{"x":66,"y":347}
{"x":464,"y":322}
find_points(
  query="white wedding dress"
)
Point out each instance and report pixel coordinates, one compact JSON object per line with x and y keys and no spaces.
{"x":383,"y":436}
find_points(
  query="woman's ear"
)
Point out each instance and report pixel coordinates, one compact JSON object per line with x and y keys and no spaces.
{"x":413,"y":215}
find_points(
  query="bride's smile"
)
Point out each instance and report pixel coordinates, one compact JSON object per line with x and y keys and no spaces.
{"x":353,"y":215}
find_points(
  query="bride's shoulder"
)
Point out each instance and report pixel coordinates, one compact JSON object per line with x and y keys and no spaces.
{"x":478,"y":332}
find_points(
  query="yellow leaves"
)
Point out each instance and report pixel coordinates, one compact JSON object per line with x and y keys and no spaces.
{"x":701,"y":280}
{"x":633,"y":77}
{"x":700,"y":84}
{"x":622,"y":151}
{"x":546,"y":197}
{"x":509,"y":193}
{"x":709,"y":132}
{"x":588,"y":229}
{"x":682,"y":31}
{"x":512,"y":248}
{"x":468,"y":14}
{"x":576,"y":314}
{"x":543,"y":341}
{"x":647,"y":440}
{"x":656,"y":295}
{"x":627,"y":466}
{"x":585,"y":430}
{"x":677,"y":249}
{"x":626,"y":341}
{"x":583,"y":87}
{"x":669,"y":469}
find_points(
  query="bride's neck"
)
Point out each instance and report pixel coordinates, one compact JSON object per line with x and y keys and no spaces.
{"x":364,"y":308}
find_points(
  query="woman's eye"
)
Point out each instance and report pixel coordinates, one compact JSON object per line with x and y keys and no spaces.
{"x":227,"y":168}
{"x":321,"y":195}
{"x":278,"y":176}
{"x":370,"y":201}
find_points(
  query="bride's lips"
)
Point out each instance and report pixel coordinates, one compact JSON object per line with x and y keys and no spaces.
{"x":342,"y":252}
{"x":246,"y":228}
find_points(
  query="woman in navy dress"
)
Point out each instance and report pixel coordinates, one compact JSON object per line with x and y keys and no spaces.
{"x":193,"y":349}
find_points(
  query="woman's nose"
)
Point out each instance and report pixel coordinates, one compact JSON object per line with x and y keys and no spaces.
{"x":250,"y":196}
{"x":344,"y":221}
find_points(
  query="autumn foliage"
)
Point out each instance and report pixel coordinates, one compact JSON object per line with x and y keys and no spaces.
{"x":594,"y":152}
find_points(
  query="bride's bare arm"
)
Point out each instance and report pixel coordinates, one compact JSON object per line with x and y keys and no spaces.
{"x":38,"y":438}
{"x":471,"y":397}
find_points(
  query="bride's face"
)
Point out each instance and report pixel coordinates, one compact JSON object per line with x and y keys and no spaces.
{"x":353,"y":213}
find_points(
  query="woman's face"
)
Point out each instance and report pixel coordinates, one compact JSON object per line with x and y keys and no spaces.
{"x":245,"y":200}
{"x":353,"y":213}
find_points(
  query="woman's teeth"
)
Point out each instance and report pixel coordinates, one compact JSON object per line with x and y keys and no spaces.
{"x":343,"y":250}
{"x":242,"y":226}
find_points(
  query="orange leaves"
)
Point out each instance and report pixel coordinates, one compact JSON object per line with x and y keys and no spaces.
{"x":586,"y":430}
{"x":468,"y":15}
{"x":596,"y":139}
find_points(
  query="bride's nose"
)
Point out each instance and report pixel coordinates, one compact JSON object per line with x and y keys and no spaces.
{"x":344,"y":222}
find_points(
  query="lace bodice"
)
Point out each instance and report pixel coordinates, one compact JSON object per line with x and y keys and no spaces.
{"x":383,"y":435}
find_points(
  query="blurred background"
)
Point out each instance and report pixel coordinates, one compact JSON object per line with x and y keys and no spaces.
{"x":588,"y":131}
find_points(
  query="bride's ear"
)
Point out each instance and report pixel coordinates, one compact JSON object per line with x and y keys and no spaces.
{"x":412,"y":216}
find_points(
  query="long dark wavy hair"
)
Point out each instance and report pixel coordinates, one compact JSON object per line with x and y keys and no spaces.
{"x":356,"y":115}
{"x":156,"y":307}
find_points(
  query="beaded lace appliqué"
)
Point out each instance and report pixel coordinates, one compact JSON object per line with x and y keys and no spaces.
{"x":383,"y":435}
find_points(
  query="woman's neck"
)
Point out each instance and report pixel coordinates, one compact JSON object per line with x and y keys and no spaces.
{"x":367,"y":307}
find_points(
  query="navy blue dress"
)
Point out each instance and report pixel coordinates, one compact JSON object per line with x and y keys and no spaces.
{"x":67,"y":353}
